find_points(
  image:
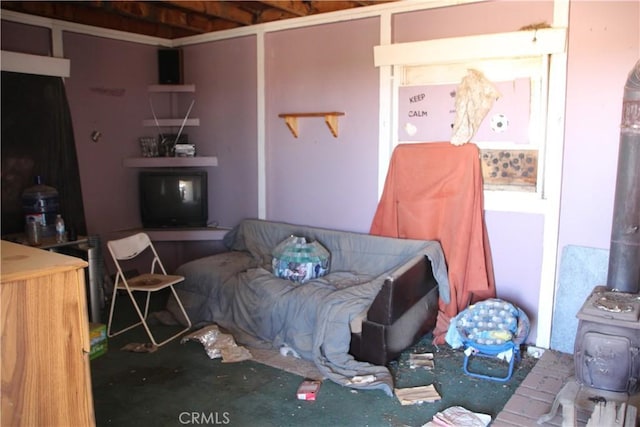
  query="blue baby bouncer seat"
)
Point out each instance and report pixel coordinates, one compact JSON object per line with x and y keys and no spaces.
{"x":492,"y":328}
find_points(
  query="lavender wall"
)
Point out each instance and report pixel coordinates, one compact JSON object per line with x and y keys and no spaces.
{"x":107,"y":92}
{"x":462,"y":20}
{"x":318,"y":179}
{"x":604,"y":45}
{"x":224,"y":73}
{"x":516,"y":248}
{"x":25,"y":38}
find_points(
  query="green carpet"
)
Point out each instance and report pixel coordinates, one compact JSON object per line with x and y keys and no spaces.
{"x":179,"y":385}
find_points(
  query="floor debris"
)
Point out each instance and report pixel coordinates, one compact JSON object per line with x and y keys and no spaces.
{"x":308,"y":389}
{"x":417,"y":395}
{"x":137,"y":347}
{"x":458,"y":416}
{"x":421,"y":360}
{"x":218,"y":344}
{"x":362,"y":379}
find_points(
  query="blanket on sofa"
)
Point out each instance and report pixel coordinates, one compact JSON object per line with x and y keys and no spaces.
{"x":238,"y":291}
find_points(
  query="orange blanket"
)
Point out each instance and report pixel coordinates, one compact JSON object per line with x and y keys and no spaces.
{"x":434,"y":191}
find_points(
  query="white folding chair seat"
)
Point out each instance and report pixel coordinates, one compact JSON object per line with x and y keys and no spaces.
{"x":129,"y":248}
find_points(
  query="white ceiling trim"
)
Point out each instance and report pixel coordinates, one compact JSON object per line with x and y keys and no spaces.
{"x":515,"y":44}
{"x":35,"y":64}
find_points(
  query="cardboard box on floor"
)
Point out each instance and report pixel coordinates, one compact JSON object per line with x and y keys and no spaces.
{"x":308,"y":389}
{"x":98,"y":339}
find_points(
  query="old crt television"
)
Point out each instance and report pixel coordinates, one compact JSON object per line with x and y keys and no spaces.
{"x":173,"y":198}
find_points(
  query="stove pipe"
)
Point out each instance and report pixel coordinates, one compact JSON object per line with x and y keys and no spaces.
{"x":624,"y":256}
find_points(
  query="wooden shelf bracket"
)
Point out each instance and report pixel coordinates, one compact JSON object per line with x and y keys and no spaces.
{"x":330,"y":118}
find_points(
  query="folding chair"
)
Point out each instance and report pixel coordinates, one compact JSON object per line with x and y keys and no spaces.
{"x":129,"y":248}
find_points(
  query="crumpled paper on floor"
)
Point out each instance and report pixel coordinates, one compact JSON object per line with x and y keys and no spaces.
{"x":218,"y":344}
{"x":475,"y":96}
{"x":138,"y":347}
{"x":457,"y":416}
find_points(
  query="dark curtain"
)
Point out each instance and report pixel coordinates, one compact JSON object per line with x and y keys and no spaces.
{"x":37,"y":139}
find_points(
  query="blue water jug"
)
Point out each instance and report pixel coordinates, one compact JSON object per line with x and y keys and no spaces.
{"x":40,"y":203}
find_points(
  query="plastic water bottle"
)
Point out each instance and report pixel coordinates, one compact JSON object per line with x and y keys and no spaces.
{"x":60,"y":232}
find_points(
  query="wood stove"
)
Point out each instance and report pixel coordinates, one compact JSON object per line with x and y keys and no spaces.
{"x":607,"y":346}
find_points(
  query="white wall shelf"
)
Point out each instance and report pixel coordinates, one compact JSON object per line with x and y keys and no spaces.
{"x":171,"y":122}
{"x":170,"y":162}
{"x":175,"y":120}
{"x":171,"y":88}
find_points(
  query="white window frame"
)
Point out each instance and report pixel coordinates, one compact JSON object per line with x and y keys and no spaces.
{"x":549,"y":45}
{"x":521,"y":54}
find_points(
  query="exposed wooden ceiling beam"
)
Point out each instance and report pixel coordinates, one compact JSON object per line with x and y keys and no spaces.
{"x":170,"y":16}
{"x":172,"y":19}
{"x":297,"y":8}
{"x":224,"y":10}
{"x":89,"y":14}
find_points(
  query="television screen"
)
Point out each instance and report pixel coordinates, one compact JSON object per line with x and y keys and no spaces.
{"x":173,"y":198}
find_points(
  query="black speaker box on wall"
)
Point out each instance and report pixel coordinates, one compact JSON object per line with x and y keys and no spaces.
{"x":170,"y":66}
